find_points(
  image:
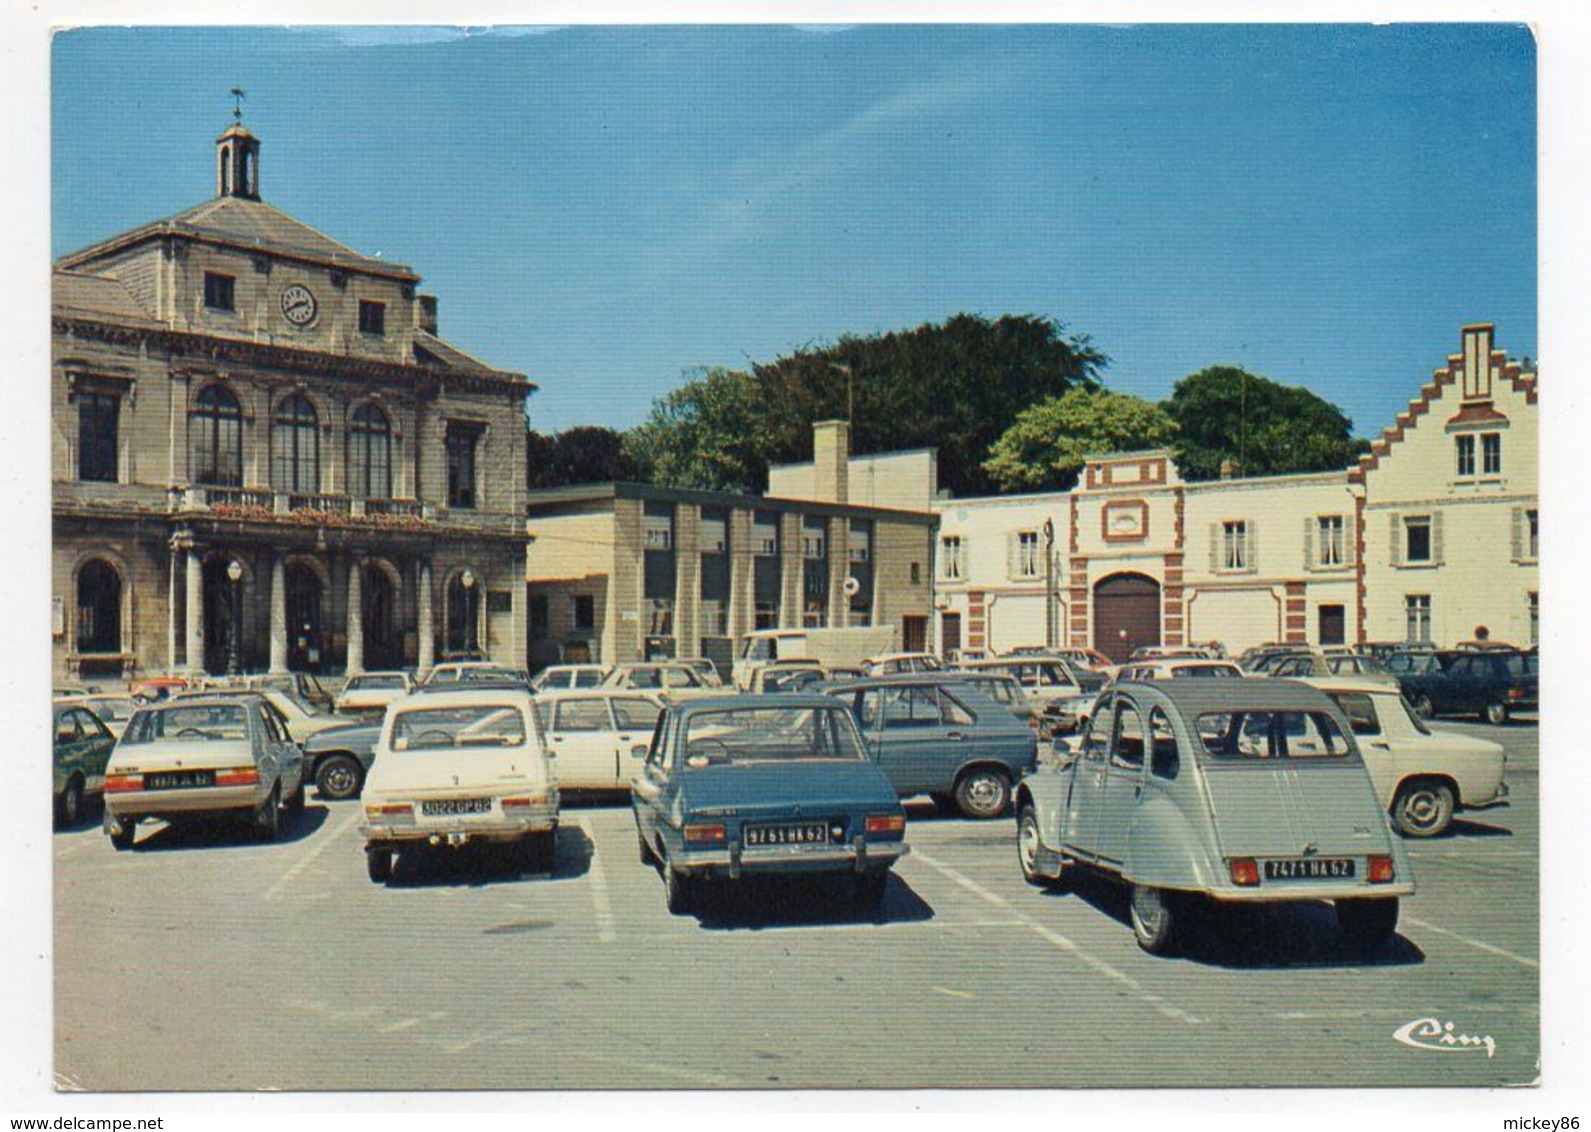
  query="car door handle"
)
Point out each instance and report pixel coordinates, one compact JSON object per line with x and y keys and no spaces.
{"x":557,"y":738}
{"x":1380,"y":744}
{"x":959,"y":736}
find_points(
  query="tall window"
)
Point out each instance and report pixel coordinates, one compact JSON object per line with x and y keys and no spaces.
{"x":765,"y":615}
{"x":950,"y":558}
{"x":812,"y":539}
{"x":370,"y":453}
{"x":97,"y":419}
{"x":657,"y":530}
{"x":1329,"y":528}
{"x":660,"y":617}
{"x":217,"y":431}
{"x":1465,"y":446}
{"x":218,"y":291}
{"x":765,"y":535}
{"x":540,"y":615}
{"x":1234,"y":545}
{"x":1417,"y":617}
{"x":1491,"y":454}
{"x":99,"y":608}
{"x":462,"y":438}
{"x":1530,"y":532}
{"x":1027,"y":554}
{"x":714,"y":618}
{"x":1535,"y":614}
{"x":584,"y":612}
{"x":295,"y":446}
{"x":372,"y":317}
{"x":1417,"y":538}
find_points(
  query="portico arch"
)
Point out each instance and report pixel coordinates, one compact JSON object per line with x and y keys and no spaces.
{"x":1126,"y":614}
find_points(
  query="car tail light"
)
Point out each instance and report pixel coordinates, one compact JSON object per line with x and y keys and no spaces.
{"x":523,"y":803}
{"x":1380,"y":870}
{"x":1245,"y":871}
{"x":885,"y":823}
{"x":392,"y":811}
{"x":1516,"y":693}
{"x":706,"y":834}
{"x":247,"y":776}
{"x":122,"y":783}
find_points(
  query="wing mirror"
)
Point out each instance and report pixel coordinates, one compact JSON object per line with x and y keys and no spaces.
{"x":639,"y":751}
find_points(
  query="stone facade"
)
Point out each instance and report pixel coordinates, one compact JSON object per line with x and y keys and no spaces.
{"x":264,"y":457}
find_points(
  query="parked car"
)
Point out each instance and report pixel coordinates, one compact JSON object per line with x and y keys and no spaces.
{"x":149,"y":689}
{"x":113,"y":711}
{"x":947,"y":740}
{"x":338,"y":759}
{"x":708,"y":670}
{"x":458,"y":767}
{"x":301,"y":718}
{"x":784,"y":676}
{"x":1247,"y":792}
{"x":1380,"y":649}
{"x":371,"y":692}
{"x":1090,"y":659}
{"x":1422,"y":776}
{"x":306,"y":686}
{"x":674,"y":680}
{"x":1044,"y":679}
{"x":592,"y":733}
{"x":1179,"y":668}
{"x":742,"y":786}
{"x":563,"y":677}
{"x":1493,"y":684}
{"x":473,"y":671}
{"x":82,"y":748}
{"x":892,"y":663}
{"x":1289,"y":666}
{"x":1363,"y":667}
{"x":209,"y":755}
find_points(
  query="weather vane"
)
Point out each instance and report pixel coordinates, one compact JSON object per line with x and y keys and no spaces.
{"x":237,"y":104}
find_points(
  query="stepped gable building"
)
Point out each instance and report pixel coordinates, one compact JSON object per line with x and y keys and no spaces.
{"x":264,"y":457}
{"x":1431,"y":535}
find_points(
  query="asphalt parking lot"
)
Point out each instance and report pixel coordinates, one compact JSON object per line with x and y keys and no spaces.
{"x":206,"y":961}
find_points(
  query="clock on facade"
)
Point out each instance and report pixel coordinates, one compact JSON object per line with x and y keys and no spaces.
{"x":298,"y":305}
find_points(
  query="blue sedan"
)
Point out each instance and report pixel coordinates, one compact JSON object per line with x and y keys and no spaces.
{"x":738,"y":786}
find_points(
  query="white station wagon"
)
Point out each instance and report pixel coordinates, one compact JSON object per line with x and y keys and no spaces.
{"x":593,"y":733}
{"x":458,"y":767}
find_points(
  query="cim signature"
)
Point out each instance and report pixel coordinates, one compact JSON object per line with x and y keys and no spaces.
{"x":1432,"y":1033}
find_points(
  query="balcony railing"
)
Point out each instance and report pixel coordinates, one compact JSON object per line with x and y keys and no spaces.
{"x":408,"y":507}
{"x":331,"y":504}
{"x":258,"y":503}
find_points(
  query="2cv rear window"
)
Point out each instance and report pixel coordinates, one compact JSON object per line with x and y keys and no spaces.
{"x":1256,"y":735}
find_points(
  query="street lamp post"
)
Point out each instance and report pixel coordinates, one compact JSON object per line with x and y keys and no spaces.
{"x":234,"y":573}
{"x":468,"y":579}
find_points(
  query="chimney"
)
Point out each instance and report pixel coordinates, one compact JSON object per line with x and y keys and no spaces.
{"x":831,"y":457}
{"x":425,"y":314}
{"x":1230,"y":469}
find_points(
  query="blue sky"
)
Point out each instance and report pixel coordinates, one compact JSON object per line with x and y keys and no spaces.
{"x":602,"y":208}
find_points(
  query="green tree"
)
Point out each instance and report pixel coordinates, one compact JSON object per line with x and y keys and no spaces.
{"x":709,"y":433}
{"x":1226,"y":413}
{"x":583,"y":454}
{"x":1044,"y":449}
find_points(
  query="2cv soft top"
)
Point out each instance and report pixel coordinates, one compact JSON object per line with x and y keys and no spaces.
{"x":1235,"y":790}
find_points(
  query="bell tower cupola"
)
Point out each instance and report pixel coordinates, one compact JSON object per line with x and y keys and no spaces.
{"x":237,"y":157}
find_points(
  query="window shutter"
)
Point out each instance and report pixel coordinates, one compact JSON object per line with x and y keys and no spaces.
{"x":1309,"y":542}
{"x":1215,"y":546}
{"x":1516,"y":543}
{"x":1251,"y":538}
{"x":1436,"y":537}
{"x":1010,"y":556}
{"x":1395,"y":544}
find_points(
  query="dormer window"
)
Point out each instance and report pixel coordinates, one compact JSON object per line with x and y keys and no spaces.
{"x":218,"y":291}
{"x":372,"y":317}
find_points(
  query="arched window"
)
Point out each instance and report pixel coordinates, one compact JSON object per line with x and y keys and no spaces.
{"x":370,"y":454}
{"x":99,"y":608}
{"x":217,"y":431}
{"x":295,"y":446}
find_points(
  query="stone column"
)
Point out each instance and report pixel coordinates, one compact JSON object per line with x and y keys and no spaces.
{"x":278,"y":615}
{"x":171,"y":608}
{"x":193,"y":637}
{"x":356,"y":616}
{"x":839,"y":570}
{"x":427,"y":617}
{"x":791,"y":588}
{"x":687,"y":580}
{"x":742,"y":564}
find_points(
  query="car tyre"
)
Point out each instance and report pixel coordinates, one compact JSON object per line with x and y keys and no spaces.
{"x":1156,"y":918}
{"x":983,"y":792}
{"x":543,"y":850}
{"x":1423,"y":707}
{"x":378,"y":863}
{"x":69,"y":804}
{"x":1423,"y":808}
{"x":1030,"y":847}
{"x":1368,"y":924}
{"x":1496,"y":713}
{"x":268,"y":818}
{"x":295,"y":800}
{"x":121,"y":831}
{"x":870,"y":886}
{"x":339,"y":777}
{"x":679,"y":890}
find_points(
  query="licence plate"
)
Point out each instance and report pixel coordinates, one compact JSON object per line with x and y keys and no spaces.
{"x":1310,"y":868}
{"x":179,"y":779}
{"x":788,"y":833}
{"x":447,"y":807}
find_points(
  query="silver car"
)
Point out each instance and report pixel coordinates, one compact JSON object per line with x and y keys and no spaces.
{"x":1237,"y":791}
{"x":215,"y":755}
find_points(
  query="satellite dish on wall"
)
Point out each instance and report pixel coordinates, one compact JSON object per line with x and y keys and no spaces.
{"x":851,"y":587}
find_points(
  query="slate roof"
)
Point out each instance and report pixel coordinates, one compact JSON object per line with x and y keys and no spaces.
{"x":96,"y":296}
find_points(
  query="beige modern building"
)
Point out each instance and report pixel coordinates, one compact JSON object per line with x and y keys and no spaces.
{"x":265,"y":457}
{"x":1428,"y":537}
{"x":622,"y":571}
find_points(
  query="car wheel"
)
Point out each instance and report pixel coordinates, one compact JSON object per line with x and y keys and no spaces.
{"x":1423,"y":808}
{"x":295,"y":800}
{"x":1030,"y":847}
{"x":1496,"y":713}
{"x":268,"y":818}
{"x":69,"y":804}
{"x":870,"y":886}
{"x":1368,"y":924}
{"x":339,"y":777}
{"x":679,"y":890}
{"x":1423,"y":707}
{"x":1155,"y":919}
{"x":544,"y":851}
{"x":378,"y":863}
{"x":983,"y":792}
{"x":121,"y":831}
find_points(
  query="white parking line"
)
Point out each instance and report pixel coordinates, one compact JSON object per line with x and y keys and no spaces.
{"x":1155,"y":1001}
{"x":1479,"y":945}
{"x":321,"y":845}
{"x":76,"y":847}
{"x":599,"y":888}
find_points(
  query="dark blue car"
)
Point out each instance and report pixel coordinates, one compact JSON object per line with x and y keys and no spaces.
{"x":737,"y":786}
